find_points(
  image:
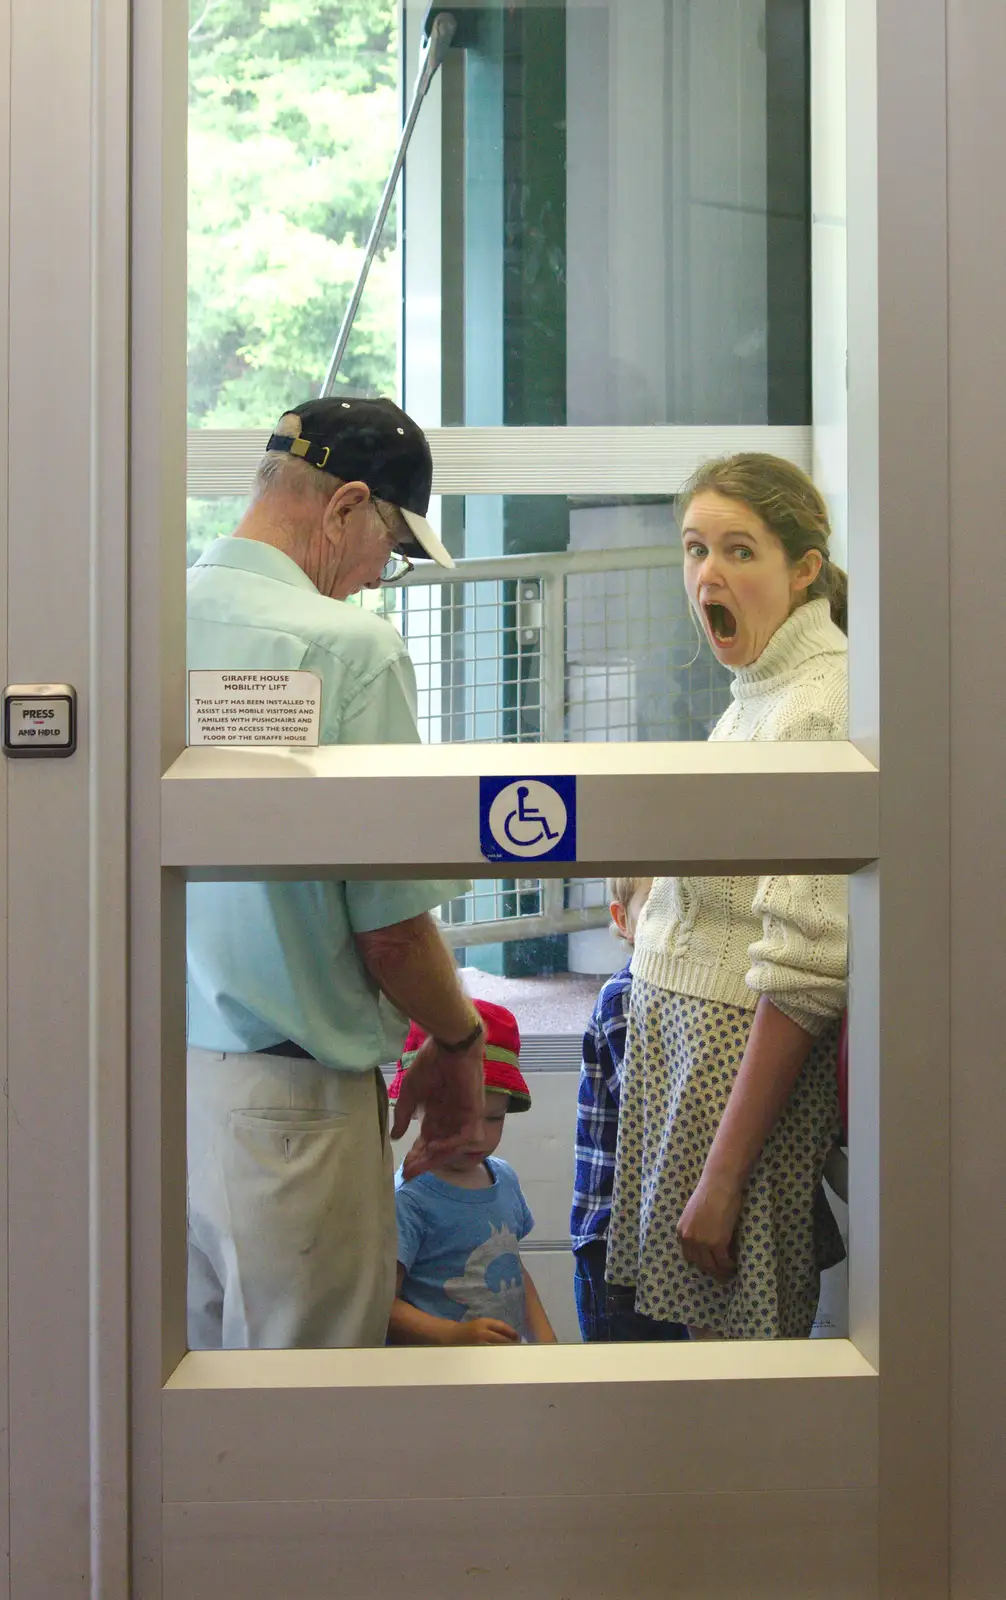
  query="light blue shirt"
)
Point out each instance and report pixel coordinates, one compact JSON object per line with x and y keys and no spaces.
{"x":460,"y":1247}
{"x":268,"y":962}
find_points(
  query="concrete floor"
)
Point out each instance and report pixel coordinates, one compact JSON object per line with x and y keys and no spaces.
{"x":558,"y":1004}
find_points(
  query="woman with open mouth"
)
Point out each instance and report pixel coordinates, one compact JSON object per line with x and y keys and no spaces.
{"x":729,"y":1102}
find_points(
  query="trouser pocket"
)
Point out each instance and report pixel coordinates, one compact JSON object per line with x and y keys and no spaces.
{"x":287,"y":1224}
{"x":269,"y":1136}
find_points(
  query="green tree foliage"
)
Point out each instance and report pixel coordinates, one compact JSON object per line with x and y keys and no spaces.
{"x":208,"y":518}
{"x":293,"y":119}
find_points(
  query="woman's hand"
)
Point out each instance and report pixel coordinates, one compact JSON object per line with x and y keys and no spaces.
{"x":774,"y":1057}
{"x":706,"y":1228}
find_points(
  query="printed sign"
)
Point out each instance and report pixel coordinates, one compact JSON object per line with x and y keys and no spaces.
{"x":527,"y":819}
{"x":40,"y":722}
{"x":254,"y":707}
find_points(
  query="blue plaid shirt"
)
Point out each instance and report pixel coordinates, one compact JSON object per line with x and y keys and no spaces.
{"x":597,"y":1111}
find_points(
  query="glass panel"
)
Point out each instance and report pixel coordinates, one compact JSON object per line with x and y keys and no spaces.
{"x":208,"y":518}
{"x":593,"y":639}
{"x":275,"y":1275}
{"x":569,"y":644}
{"x":608,"y":211}
{"x":294,"y":114}
{"x":618,"y":229}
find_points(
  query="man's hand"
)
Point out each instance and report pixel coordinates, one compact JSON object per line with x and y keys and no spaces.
{"x":706,"y":1228}
{"x":483,"y":1330}
{"x":410,"y":964}
{"x":450,"y":1091}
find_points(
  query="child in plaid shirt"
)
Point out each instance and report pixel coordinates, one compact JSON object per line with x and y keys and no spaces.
{"x":606,"y":1313}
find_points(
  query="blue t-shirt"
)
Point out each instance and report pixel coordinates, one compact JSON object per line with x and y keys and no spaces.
{"x":460,"y":1247}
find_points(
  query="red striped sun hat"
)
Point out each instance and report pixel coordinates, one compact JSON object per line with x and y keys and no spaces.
{"x":501,"y":1046}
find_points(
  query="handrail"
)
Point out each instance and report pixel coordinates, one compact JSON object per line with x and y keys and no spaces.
{"x":435,"y":49}
{"x":526,"y":925}
{"x":550,"y":563}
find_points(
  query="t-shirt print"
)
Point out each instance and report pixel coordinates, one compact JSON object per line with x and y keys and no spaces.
{"x":460,"y":1248}
{"x":492,"y":1284}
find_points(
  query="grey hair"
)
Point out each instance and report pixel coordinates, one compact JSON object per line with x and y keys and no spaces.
{"x":278,"y":472}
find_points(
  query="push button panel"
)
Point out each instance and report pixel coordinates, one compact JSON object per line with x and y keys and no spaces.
{"x":39,"y":719}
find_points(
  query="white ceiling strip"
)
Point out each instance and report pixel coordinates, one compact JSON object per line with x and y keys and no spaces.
{"x":562,"y":461}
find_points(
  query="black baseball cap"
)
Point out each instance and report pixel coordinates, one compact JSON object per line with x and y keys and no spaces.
{"x":371,"y":442}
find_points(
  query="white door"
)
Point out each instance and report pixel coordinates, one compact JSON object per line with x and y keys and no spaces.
{"x":717,"y":1470}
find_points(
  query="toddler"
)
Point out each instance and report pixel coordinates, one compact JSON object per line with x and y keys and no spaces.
{"x":460,"y":1276}
{"x":606,"y":1314}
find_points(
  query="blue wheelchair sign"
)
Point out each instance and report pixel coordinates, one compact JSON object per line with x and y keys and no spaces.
{"x":527,"y":819}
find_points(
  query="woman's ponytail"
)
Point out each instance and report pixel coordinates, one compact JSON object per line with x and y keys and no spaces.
{"x":834,"y":586}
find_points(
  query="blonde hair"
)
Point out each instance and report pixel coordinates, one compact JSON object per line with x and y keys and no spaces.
{"x":789,"y":504}
{"x":621,"y":890}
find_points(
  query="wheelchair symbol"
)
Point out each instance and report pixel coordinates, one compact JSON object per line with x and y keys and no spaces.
{"x":527,"y":819}
{"x":532,"y":822}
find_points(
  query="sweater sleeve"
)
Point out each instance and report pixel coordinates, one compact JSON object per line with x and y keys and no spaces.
{"x":801,"y":961}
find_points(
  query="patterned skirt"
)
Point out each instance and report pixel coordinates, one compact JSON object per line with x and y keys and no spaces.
{"x":681,"y":1059}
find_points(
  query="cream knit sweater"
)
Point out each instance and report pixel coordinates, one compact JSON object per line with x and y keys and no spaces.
{"x":735,"y":939}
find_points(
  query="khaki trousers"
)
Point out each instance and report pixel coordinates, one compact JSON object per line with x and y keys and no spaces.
{"x":292,"y":1238}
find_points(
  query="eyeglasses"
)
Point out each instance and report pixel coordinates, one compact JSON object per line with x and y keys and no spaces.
{"x":396,"y":565}
{"x":395,"y":568}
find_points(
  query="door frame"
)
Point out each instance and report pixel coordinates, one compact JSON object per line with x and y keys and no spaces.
{"x":111,"y":1227}
{"x":899,"y":1328}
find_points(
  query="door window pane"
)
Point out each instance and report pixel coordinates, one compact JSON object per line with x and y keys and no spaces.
{"x":294,"y":115}
{"x":608,"y":216}
{"x":569,"y":644}
{"x":590,"y":640}
{"x":210,"y":517}
{"x":548,"y":953}
{"x":607,"y":223}
{"x":622,"y":217}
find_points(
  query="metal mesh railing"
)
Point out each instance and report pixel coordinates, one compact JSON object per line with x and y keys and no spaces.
{"x":584,"y":645}
{"x":570,"y":646}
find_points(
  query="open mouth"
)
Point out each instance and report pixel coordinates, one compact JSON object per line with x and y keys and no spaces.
{"x":722,"y":623}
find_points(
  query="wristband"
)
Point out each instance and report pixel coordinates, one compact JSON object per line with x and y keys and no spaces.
{"x":459,"y":1048}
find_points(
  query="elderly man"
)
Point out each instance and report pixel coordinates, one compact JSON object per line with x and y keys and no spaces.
{"x":297,"y":992}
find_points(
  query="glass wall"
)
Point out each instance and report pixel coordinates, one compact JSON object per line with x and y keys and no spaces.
{"x":604,"y":219}
{"x":561,"y":1146}
{"x":607,"y":211}
{"x":618,"y":227}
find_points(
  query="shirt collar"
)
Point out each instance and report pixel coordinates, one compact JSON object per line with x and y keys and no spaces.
{"x":251,"y":555}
